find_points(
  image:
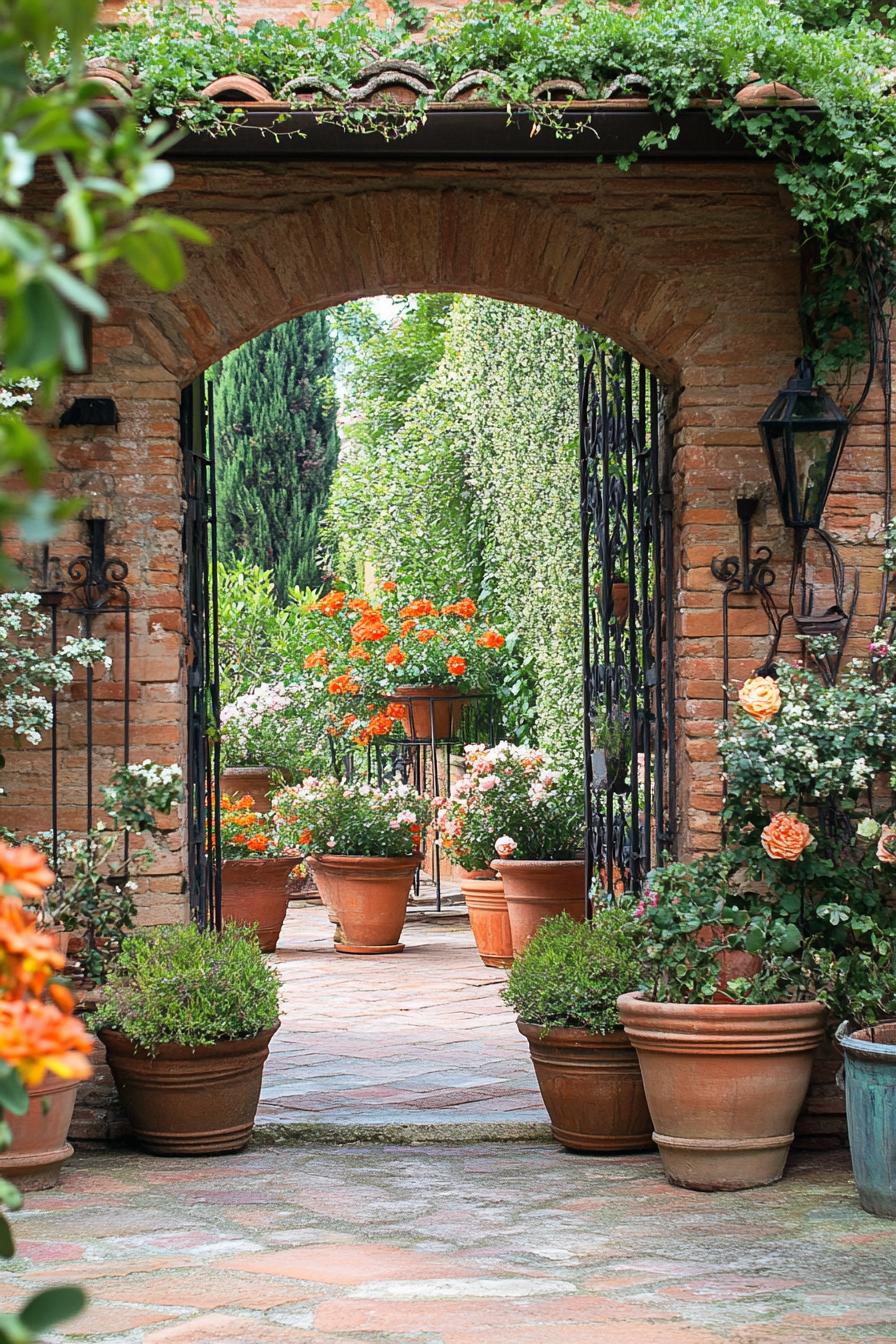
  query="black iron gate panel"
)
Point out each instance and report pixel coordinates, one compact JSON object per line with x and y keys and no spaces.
{"x":203,"y":695}
{"x":629,"y":729}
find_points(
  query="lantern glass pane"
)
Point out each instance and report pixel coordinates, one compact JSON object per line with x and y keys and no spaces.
{"x":812,"y":453}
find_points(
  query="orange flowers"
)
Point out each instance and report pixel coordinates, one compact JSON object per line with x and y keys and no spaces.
{"x":491,"y":639}
{"x":389,"y":586}
{"x":344,"y":685}
{"x":37,"y":1038}
{"x":25,"y":868}
{"x":396,"y":657}
{"x":407,"y":626}
{"x":760,"y":697}
{"x":316,"y":659}
{"x":28,"y":958}
{"x":426,"y":634}
{"x":331,"y":604}
{"x":359,"y":653}
{"x":466,"y":608}
{"x":258,"y":843}
{"x":369,"y":628}
{"x":380,"y":725}
{"x":421,"y":606}
{"x":786,"y":837}
{"x":456,"y":665}
{"x":358,"y":604}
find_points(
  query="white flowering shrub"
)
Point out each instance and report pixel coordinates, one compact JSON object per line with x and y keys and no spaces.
{"x":333,"y":816}
{"x":29,"y":671}
{"x":279,"y":726}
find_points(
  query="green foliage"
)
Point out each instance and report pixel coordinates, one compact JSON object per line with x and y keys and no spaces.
{"x":333,"y":816}
{"x":104,"y":169}
{"x":179,"y":985}
{"x":571,"y":974}
{"x":471,"y":485}
{"x":838,"y":169}
{"x":260,"y":640}
{"x":275,"y":417}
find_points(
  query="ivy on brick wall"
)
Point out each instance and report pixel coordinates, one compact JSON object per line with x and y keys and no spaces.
{"x":475,"y":490}
{"x":840,"y":169}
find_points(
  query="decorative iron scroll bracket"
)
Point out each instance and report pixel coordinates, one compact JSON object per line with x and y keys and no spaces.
{"x":746,"y":574}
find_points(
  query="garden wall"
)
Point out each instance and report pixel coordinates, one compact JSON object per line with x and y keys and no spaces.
{"x":692,"y":266}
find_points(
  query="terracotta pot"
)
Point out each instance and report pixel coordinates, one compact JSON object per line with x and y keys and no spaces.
{"x":429,"y":711}
{"x":537,"y":889}
{"x":189,"y":1102}
{"x":724,"y":1084}
{"x":619,"y":599}
{"x":489,"y":921}
{"x":39,"y":1137}
{"x":591,"y":1087}
{"x":367,"y":899}
{"x":253,"y":891}
{"x":733,"y":965}
{"x":254,"y":780}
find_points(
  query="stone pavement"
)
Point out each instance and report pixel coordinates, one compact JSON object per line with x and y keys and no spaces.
{"x":412,"y":1039}
{"x":495,"y":1244}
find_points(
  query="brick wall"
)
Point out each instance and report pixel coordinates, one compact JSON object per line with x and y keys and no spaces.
{"x":693,"y":267}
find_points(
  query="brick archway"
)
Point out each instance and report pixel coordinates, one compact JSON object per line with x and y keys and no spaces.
{"x":693,"y":267}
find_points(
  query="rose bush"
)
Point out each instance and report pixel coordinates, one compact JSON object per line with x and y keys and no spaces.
{"x":511,"y":802}
{"x":333,"y":816}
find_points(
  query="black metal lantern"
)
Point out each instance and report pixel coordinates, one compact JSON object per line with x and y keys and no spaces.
{"x":803,"y":432}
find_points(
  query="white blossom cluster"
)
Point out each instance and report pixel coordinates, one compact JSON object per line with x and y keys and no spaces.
{"x":28,"y":669}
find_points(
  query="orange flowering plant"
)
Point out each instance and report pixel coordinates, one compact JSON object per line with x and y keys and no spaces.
{"x":246,"y":833}
{"x":370,"y":647}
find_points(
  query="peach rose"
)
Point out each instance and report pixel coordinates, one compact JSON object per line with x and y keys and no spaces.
{"x":887,"y":839}
{"x":786,"y":837}
{"x":760,"y":697}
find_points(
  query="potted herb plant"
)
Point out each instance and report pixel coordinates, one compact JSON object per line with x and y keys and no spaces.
{"x":466,"y":834}
{"x":254,"y":870}
{"x":564,"y":987}
{"x":535,"y":812}
{"x":186,"y":1017}
{"x":362,"y":844}
{"x":413,"y":662}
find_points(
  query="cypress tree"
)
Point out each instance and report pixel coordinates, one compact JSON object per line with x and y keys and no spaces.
{"x":275,"y":421}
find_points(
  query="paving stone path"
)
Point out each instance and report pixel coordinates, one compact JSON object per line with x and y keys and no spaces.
{"x":417,"y":1038}
{"x":490,"y":1244}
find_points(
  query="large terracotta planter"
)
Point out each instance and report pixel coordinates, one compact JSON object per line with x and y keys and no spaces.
{"x":253,"y":891}
{"x":367,"y":899}
{"x":870,"y":1074}
{"x":538,"y":889}
{"x":591,"y":1087}
{"x":489,"y":920}
{"x":189,"y":1102}
{"x":39,"y":1137}
{"x":254,"y":780}
{"x":429,"y":711}
{"x":724,"y":1084}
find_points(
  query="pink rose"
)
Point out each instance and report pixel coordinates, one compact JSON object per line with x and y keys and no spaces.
{"x":504,"y":846}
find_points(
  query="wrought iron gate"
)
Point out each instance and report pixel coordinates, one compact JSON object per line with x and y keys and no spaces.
{"x":203,"y":697}
{"x":628,"y":688}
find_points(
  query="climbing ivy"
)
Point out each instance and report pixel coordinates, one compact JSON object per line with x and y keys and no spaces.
{"x":471,"y":486}
{"x":840,"y":168}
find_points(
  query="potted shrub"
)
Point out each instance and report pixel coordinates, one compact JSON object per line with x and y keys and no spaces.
{"x":254,"y":870}
{"x":725,"y":1074}
{"x":260,"y":732}
{"x":410,"y":662}
{"x":186,"y":1017}
{"x":466,"y":834}
{"x":870,"y":1085}
{"x":535,"y":812}
{"x":362,"y":845}
{"x":564,"y":987}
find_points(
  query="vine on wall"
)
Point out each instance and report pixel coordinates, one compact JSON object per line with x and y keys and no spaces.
{"x":840,"y":169}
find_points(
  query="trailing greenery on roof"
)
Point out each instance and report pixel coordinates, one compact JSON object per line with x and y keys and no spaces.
{"x":840,"y":167}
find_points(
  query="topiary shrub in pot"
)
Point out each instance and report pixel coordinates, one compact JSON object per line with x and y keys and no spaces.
{"x":564,"y":987}
{"x":186,"y":1018}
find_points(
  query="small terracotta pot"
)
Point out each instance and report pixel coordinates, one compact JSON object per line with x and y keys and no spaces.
{"x":366,"y":898}
{"x":619,"y":599}
{"x":253,"y":891}
{"x":39,"y":1137}
{"x":429,"y":711}
{"x":489,"y":921}
{"x":538,"y":889}
{"x":254,"y":780}
{"x":591,"y":1087}
{"x":724,"y":1084}
{"x":189,"y":1102}
{"x":733,"y":965}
